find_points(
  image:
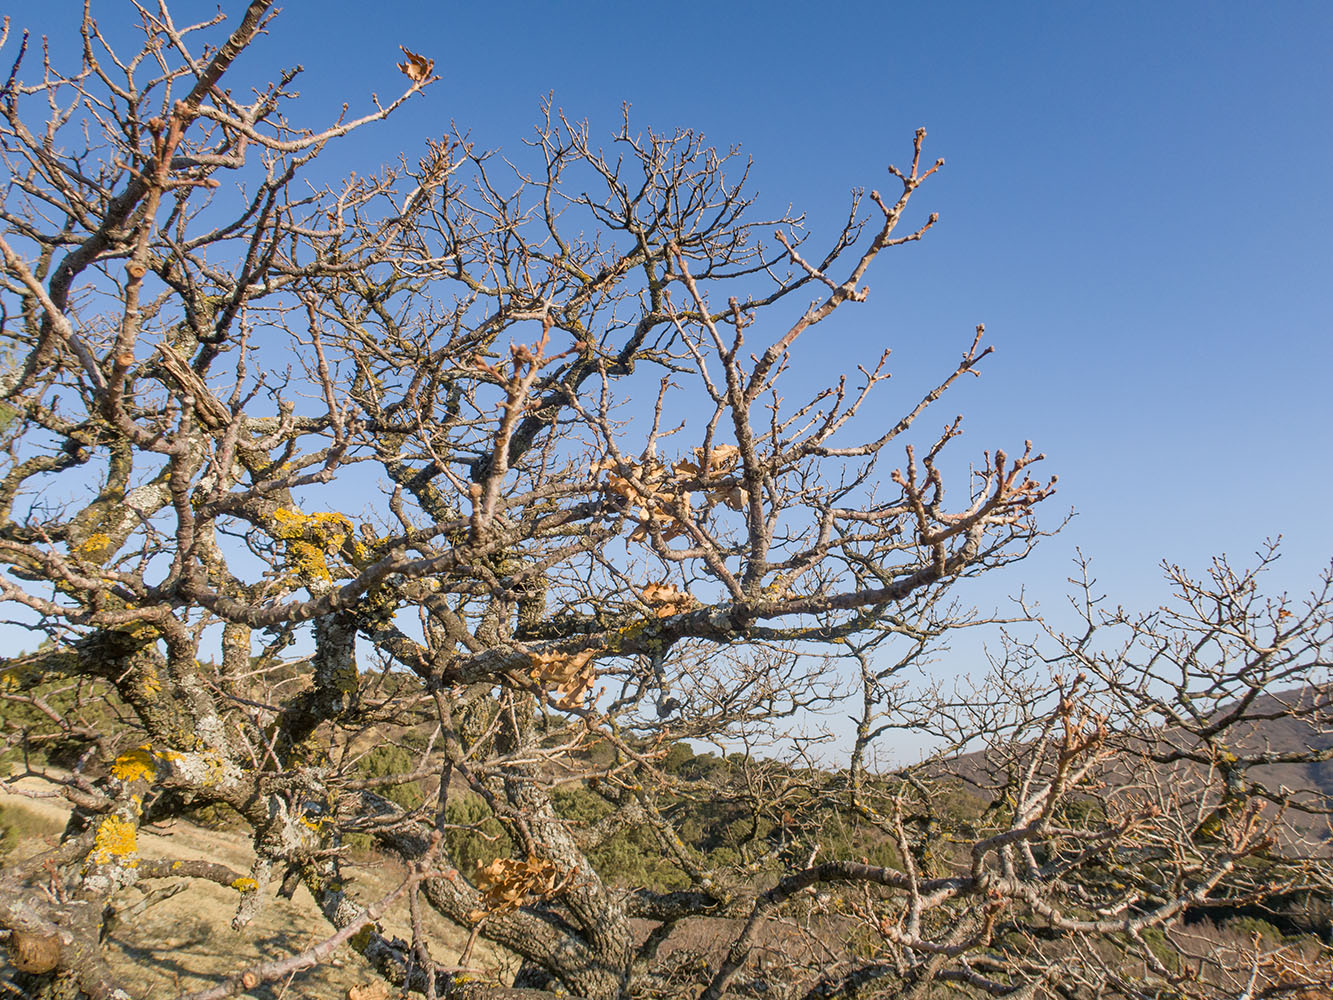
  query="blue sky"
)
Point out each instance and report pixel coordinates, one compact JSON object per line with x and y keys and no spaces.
{"x":1136,"y":203}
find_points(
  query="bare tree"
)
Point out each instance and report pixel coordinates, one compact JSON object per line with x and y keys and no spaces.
{"x":475,"y":450}
{"x":1136,"y":782}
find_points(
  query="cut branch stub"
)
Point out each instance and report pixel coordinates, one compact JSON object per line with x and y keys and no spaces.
{"x":34,"y":953}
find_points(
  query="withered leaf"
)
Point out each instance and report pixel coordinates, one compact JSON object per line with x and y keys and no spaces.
{"x":722,"y":458}
{"x":418,"y":68}
{"x":506,"y":882}
{"x":571,"y":674}
{"x":666,"y":600}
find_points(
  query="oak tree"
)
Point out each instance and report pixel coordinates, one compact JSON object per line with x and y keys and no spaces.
{"x":491,"y":458}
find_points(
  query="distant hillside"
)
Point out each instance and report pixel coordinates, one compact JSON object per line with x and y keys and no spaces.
{"x":1278,"y":725}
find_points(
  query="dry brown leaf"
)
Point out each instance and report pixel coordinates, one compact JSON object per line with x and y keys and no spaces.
{"x":642,"y":482}
{"x":377,"y":990}
{"x":507,"y":882}
{"x":667,"y":523}
{"x":666,"y":600}
{"x":722,"y":458}
{"x":653,"y":507}
{"x":418,"y":68}
{"x":571,"y":674}
{"x":735,"y":497}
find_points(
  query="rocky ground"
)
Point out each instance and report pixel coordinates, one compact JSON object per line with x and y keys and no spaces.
{"x":185,"y":942}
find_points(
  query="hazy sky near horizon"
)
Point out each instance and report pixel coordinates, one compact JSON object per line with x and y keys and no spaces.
{"x":1136,"y":202}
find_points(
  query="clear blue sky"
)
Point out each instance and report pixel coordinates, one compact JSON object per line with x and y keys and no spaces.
{"x":1136,"y":203}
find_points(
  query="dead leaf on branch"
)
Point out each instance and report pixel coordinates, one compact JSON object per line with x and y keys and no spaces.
{"x":666,"y":601}
{"x":641,"y":483}
{"x":506,"y":883}
{"x":667,"y":523}
{"x":735,"y":497}
{"x":662,"y":500}
{"x":571,"y":674}
{"x":722,"y":458}
{"x":654,"y":507}
{"x":418,"y":68}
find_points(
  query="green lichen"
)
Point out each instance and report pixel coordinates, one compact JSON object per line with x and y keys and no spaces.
{"x":628,"y":633}
{"x":346,"y":680}
{"x":361,"y":939}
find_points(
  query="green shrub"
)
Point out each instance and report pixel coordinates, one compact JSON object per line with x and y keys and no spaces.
{"x":579,"y":805}
{"x":475,"y":836}
{"x":388,"y":761}
{"x":216,"y":816}
{"x":1252,"y":927}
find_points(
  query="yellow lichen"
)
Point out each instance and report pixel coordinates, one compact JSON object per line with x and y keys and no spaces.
{"x":245,"y":884}
{"x":12,"y":677}
{"x":287,"y":523}
{"x":308,"y":561}
{"x":94,"y":543}
{"x":309,"y":538}
{"x":366,"y":549}
{"x":135,"y":764}
{"x":215,"y":768}
{"x":116,"y":838}
{"x":150,"y":683}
